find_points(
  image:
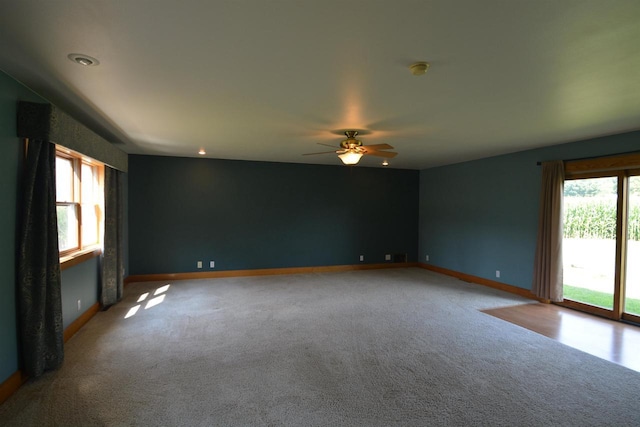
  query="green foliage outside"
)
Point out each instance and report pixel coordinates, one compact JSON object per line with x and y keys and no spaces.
{"x":599,"y":299}
{"x":581,"y":189}
{"x":68,"y":227}
{"x":590,"y":209}
{"x":598,"y":187}
{"x":63,"y":227}
{"x":595,"y":218}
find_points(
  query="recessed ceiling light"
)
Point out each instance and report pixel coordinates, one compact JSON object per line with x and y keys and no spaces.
{"x":202,"y":152}
{"x":385,"y":163}
{"x":82,"y":59}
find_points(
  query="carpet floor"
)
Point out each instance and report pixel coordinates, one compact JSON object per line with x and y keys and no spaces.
{"x":374,"y":348}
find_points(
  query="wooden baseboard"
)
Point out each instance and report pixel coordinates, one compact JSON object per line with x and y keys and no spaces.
{"x":485,"y":282}
{"x":263,"y":272}
{"x":13,"y":383}
{"x":81,"y":321}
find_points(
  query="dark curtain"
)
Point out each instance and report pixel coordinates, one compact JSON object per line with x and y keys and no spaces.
{"x":547,"y":270}
{"x":112,"y":264}
{"x":39,"y":286}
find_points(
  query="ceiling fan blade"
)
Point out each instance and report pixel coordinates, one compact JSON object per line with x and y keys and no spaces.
{"x":324,"y":152}
{"x":387,"y":154}
{"x":379,"y":146}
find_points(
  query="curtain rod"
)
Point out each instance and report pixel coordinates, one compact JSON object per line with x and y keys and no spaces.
{"x":597,"y":157}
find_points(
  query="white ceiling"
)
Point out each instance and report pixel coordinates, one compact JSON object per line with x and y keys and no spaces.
{"x":267,"y":80}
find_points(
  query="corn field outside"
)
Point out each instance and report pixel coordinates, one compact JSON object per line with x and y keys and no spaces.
{"x":595,"y":218}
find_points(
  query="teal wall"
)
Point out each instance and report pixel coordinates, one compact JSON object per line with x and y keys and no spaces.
{"x":481,"y":216}
{"x":79,"y":282}
{"x":251,"y":215}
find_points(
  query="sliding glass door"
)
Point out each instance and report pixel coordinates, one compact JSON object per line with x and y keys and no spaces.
{"x":601,"y":244}
{"x":589,"y":244}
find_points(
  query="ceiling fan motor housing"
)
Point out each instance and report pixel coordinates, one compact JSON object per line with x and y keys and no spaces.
{"x":351,"y":142}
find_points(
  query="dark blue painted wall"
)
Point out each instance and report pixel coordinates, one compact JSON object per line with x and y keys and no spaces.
{"x":250,"y":215}
{"x":79,"y":282}
{"x":482,"y":216}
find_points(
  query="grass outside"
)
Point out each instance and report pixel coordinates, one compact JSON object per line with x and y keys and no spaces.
{"x":590,"y":264}
{"x":600,"y":299}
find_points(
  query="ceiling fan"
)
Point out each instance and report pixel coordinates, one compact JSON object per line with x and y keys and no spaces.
{"x":352,"y":149}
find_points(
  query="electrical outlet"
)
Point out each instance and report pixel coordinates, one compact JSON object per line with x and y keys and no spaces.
{"x":361,"y":257}
{"x":199,"y":264}
{"x":212,"y":264}
{"x":498,"y":273}
{"x":426,"y":258}
{"x":387,"y":257}
{"x":79,"y":305}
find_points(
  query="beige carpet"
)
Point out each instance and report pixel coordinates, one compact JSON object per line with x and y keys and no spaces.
{"x":387,"y":347}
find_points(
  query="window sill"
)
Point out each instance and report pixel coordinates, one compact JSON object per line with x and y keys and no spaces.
{"x":79,"y":257}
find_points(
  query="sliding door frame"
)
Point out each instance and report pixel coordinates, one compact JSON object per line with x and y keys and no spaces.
{"x":622,"y":167}
{"x":627,"y":316}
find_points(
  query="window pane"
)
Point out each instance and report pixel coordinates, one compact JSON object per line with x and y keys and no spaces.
{"x":67,"y":227}
{"x":64,"y":179}
{"x":589,"y":244}
{"x":89,"y":225}
{"x":88,"y":183}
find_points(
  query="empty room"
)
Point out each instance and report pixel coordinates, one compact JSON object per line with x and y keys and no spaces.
{"x":319,"y":212}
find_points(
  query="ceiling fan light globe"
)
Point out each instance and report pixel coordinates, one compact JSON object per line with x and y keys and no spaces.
{"x":350,"y":158}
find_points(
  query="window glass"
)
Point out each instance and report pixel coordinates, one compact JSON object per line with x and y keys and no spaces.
{"x":90,"y":204}
{"x":67,"y":227}
{"x":88,"y":183}
{"x":64,"y":179}
{"x":589,"y":243}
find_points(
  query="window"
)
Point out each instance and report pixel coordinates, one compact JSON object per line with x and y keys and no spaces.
{"x":79,"y":202}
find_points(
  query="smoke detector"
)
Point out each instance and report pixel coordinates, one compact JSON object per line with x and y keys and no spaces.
{"x":82,"y":59}
{"x":419,"y":68}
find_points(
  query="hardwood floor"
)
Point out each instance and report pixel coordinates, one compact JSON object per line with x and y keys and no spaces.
{"x":614,"y":341}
